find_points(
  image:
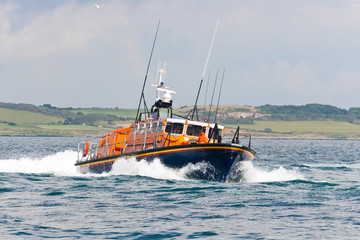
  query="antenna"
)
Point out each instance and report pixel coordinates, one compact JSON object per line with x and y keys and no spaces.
{"x":202,"y":76}
{"x":222,"y":80}
{"x":207,"y":87}
{"x":147,"y":71}
{"x":161,"y":73}
{"x":212,"y":42}
{"x":217,"y":72}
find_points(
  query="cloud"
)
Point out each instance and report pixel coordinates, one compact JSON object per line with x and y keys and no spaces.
{"x":282,"y":82}
{"x":283,"y":52}
{"x":336,"y":14}
{"x":5,"y":23}
{"x":344,"y":89}
{"x":67,"y":28}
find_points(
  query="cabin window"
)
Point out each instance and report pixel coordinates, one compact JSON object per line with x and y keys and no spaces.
{"x":211,"y":130}
{"x":193,"y":130}
{"x":154,"y":115}
{"x":160,"y":126}
{"x":176,"y":128}
{"x":142,"y":129}
{"x":136,"y":129}
{"x":148,"y":128}
{"x":154,"y":127}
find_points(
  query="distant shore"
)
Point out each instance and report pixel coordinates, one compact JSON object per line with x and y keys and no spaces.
{"x":74,"y":132}
{"x":312,"y":121}
{"x":258,"y":130}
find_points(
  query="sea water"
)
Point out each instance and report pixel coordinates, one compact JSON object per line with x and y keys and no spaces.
{"x":294,"y":189}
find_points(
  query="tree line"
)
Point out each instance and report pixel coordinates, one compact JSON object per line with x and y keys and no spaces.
{"x":70,"y":118}
{"x":271,"y":112}
{"x":309,"y":112}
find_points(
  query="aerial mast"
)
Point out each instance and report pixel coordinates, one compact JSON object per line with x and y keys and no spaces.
{"x":202,"y":76}
{"x":212,"y":97}
{"x":142,"y":97}
{"x":217,"y":107}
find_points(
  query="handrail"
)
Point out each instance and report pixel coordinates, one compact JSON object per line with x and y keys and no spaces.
{"x":137,"y":144}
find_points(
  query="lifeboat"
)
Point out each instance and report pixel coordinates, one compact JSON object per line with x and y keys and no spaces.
{"x":175,"y":140}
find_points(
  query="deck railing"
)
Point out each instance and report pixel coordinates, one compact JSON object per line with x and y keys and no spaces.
{"x":137,"y":143}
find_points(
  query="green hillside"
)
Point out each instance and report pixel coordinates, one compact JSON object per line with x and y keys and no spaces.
{"x":307,"y":121}
{"x":51,"y":130}
{"x":121,"y":113}
{"x":304,"y":129}
{"x":21,"y":116}
{"x":46,"y":120}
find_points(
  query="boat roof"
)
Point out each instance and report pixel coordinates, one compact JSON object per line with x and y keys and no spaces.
{"x":192,"y":122}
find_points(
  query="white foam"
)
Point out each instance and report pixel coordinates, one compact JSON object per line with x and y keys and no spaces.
{"x":61,"y":163}
{"x":153,"y":169}
{"x":256,"y":174}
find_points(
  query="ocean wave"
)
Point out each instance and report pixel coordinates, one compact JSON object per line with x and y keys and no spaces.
{"x":252,"y":174}
{"x":62,"y":164}
{"x":153,"y":169}
{"x":334,"y":166}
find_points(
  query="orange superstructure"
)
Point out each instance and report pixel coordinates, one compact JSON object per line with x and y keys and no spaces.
{"x":153,"y":134}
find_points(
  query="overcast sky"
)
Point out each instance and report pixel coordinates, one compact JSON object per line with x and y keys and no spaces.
{"x":74,"y":54}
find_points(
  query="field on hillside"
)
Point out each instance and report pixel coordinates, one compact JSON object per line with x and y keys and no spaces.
{"x":51,"y":130}
{"x":125,"y":113}
{"x":21,"y":122}
{"x":303,"y":129}
{"x":222,"y":108}
{"x":26,"y":123}
{"x":19,"y":116}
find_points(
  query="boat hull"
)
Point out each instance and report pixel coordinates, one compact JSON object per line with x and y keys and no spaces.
{"x":217,"y":160}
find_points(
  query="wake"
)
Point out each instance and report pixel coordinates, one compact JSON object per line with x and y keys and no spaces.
{"x":253,"y":174}
{"x":62,"y":164}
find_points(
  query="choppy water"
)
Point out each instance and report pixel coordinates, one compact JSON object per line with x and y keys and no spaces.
{"x":294,"y":189}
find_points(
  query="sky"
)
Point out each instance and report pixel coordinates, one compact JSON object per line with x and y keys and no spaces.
{"x":95,"y":53}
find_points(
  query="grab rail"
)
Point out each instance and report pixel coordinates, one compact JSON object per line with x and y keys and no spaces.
{"x":96,"y":145}
{"x":114,"y":148}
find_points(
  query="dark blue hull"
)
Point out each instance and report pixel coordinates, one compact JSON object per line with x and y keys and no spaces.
{"x":218,"y":160}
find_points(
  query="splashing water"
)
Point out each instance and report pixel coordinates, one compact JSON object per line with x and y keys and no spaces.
{"x":250,"y":173}
{"x":154,"y":169}
{"x":62,"y":164}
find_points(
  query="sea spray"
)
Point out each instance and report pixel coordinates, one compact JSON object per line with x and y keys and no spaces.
{"x":251,"y":173}
{"x":61,"y":163}
{"x":153,"y":169}
{"x":246,"y":171}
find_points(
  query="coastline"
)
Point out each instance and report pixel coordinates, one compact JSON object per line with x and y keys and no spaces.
{"x":316,"y":130}
{"x":227,"y":137}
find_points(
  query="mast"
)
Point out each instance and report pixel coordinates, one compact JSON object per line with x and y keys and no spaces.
{"x":142,"y":97}
{"x":202,"y":76}
{"x":217,"y":107}
{"x":206,"y":92}
{"x":212,"y":97}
